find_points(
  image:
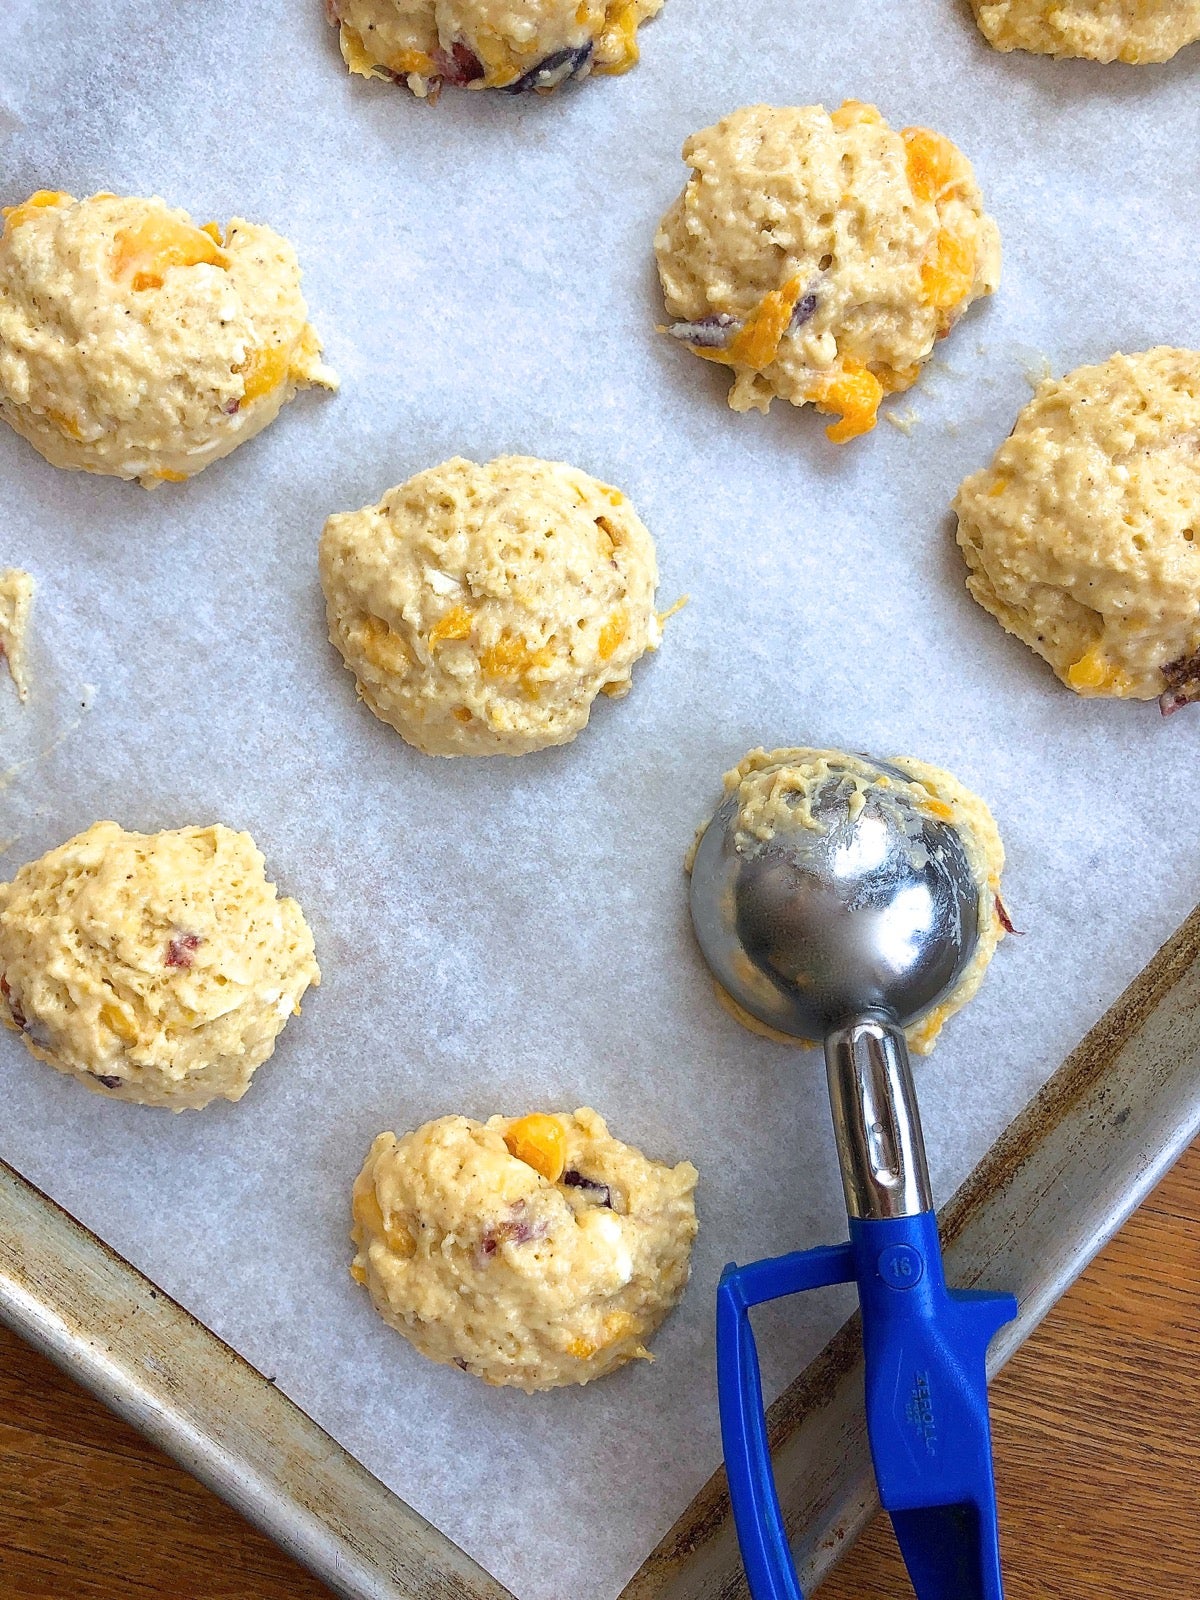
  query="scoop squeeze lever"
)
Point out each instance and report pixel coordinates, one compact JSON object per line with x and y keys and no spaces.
{"x":847,"y":932}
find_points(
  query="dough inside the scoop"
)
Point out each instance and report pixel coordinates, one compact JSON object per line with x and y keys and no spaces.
{"x":1134,"y":31}
{"x":483,"y":608}
{"x":516,"y":45}
{"x":1083,"y":536}
{"x":137,"y":345}
{"x":534,"y":1251}
{"x":776,"y":789}
{"x":158,"y":968}
{"x":820,"y":255}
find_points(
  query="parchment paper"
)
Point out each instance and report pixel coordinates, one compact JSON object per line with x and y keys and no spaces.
{"x":500,"y":936}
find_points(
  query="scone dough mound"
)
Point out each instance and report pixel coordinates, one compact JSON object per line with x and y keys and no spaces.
{"x":776,"y":789}
{"x":488,"y":44}
{"x":152,"y":967}
{"x":1083,"y":536}
{"x":137,"y":345}
{"x":820,"y":255}
{"x":483,"y":608}
{"x":534,"y":1251}
{"x":1134,"y":31}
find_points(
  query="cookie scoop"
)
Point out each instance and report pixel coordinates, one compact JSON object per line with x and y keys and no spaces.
{"x":852,"y":919}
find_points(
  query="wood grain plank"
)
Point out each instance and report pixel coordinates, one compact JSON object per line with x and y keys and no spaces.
{"x":89,"y":1510}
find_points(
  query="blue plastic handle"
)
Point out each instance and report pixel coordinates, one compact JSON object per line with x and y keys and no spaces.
{"x":924,"y":1352}
{"x":766,"y":1557}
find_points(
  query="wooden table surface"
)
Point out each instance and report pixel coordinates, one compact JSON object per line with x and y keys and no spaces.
{"x":1097,"y":1424}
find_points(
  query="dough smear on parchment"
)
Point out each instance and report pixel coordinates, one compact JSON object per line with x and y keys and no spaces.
{"x":820,"y":255}
{"x":515,"y":45}
{"x":158,"y":968}
{"x":534,"y":1251}
{"x":776,"y":789}
{"x":483,"y":608}
{"x":137,"y":345}
{"x":1083,"y":536}
{"x":16,"y":597}
{"x":1133,"y":31}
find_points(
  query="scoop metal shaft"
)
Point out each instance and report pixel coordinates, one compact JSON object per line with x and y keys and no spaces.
{"x":876,"y":1122}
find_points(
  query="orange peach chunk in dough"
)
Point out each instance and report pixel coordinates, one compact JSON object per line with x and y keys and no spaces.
{"x":853,"y":395}
{"x":146,"y":252}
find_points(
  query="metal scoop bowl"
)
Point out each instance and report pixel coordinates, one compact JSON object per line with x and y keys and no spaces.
{"x":844,"y":929}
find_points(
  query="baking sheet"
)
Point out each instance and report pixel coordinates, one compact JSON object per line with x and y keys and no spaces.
{"x":501,"y":936}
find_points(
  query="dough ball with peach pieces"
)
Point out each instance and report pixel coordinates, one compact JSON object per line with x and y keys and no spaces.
{"x":820,"y":255}
{"x":533,"y":1251}
{"x":1134,"y":31}
{"x":515,"y":45}
{"x":155,"y":967}
{"x":1083,"y":536}
{"x":483,"y":608}
{"x":137,"y":345}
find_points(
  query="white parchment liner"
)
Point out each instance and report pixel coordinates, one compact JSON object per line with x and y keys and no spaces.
{"x":503,"y":936}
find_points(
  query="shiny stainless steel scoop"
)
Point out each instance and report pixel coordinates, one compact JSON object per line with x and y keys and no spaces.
{"x":844,"y":933}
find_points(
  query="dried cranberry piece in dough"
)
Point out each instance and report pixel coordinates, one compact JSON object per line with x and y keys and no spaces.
{"x":1182,"y":678}
{"x":601,"y":1191}
{"x":554,"y":69}
{"x":458,"y":66}
{"x":14,"y":1006}
{"x":181,"y":949}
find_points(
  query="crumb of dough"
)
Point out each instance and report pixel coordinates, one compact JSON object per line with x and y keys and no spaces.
{"x":533,"y":1251}
{"x":195,"y":338}
{"x":905,"y":421}
{"x":821,"y":255}
{"x":1083,"y":536}
{"x":483,"y":608}
{"x":16,"y":597}
{"x":1133,"y":31}
{"x":489,"y":44}
{"x":1036,"y":368}
{"x":776,"y":788}
{"x":158,"y":968}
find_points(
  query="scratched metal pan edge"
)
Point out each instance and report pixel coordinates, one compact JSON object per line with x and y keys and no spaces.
{"x":1052,"y":1190}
